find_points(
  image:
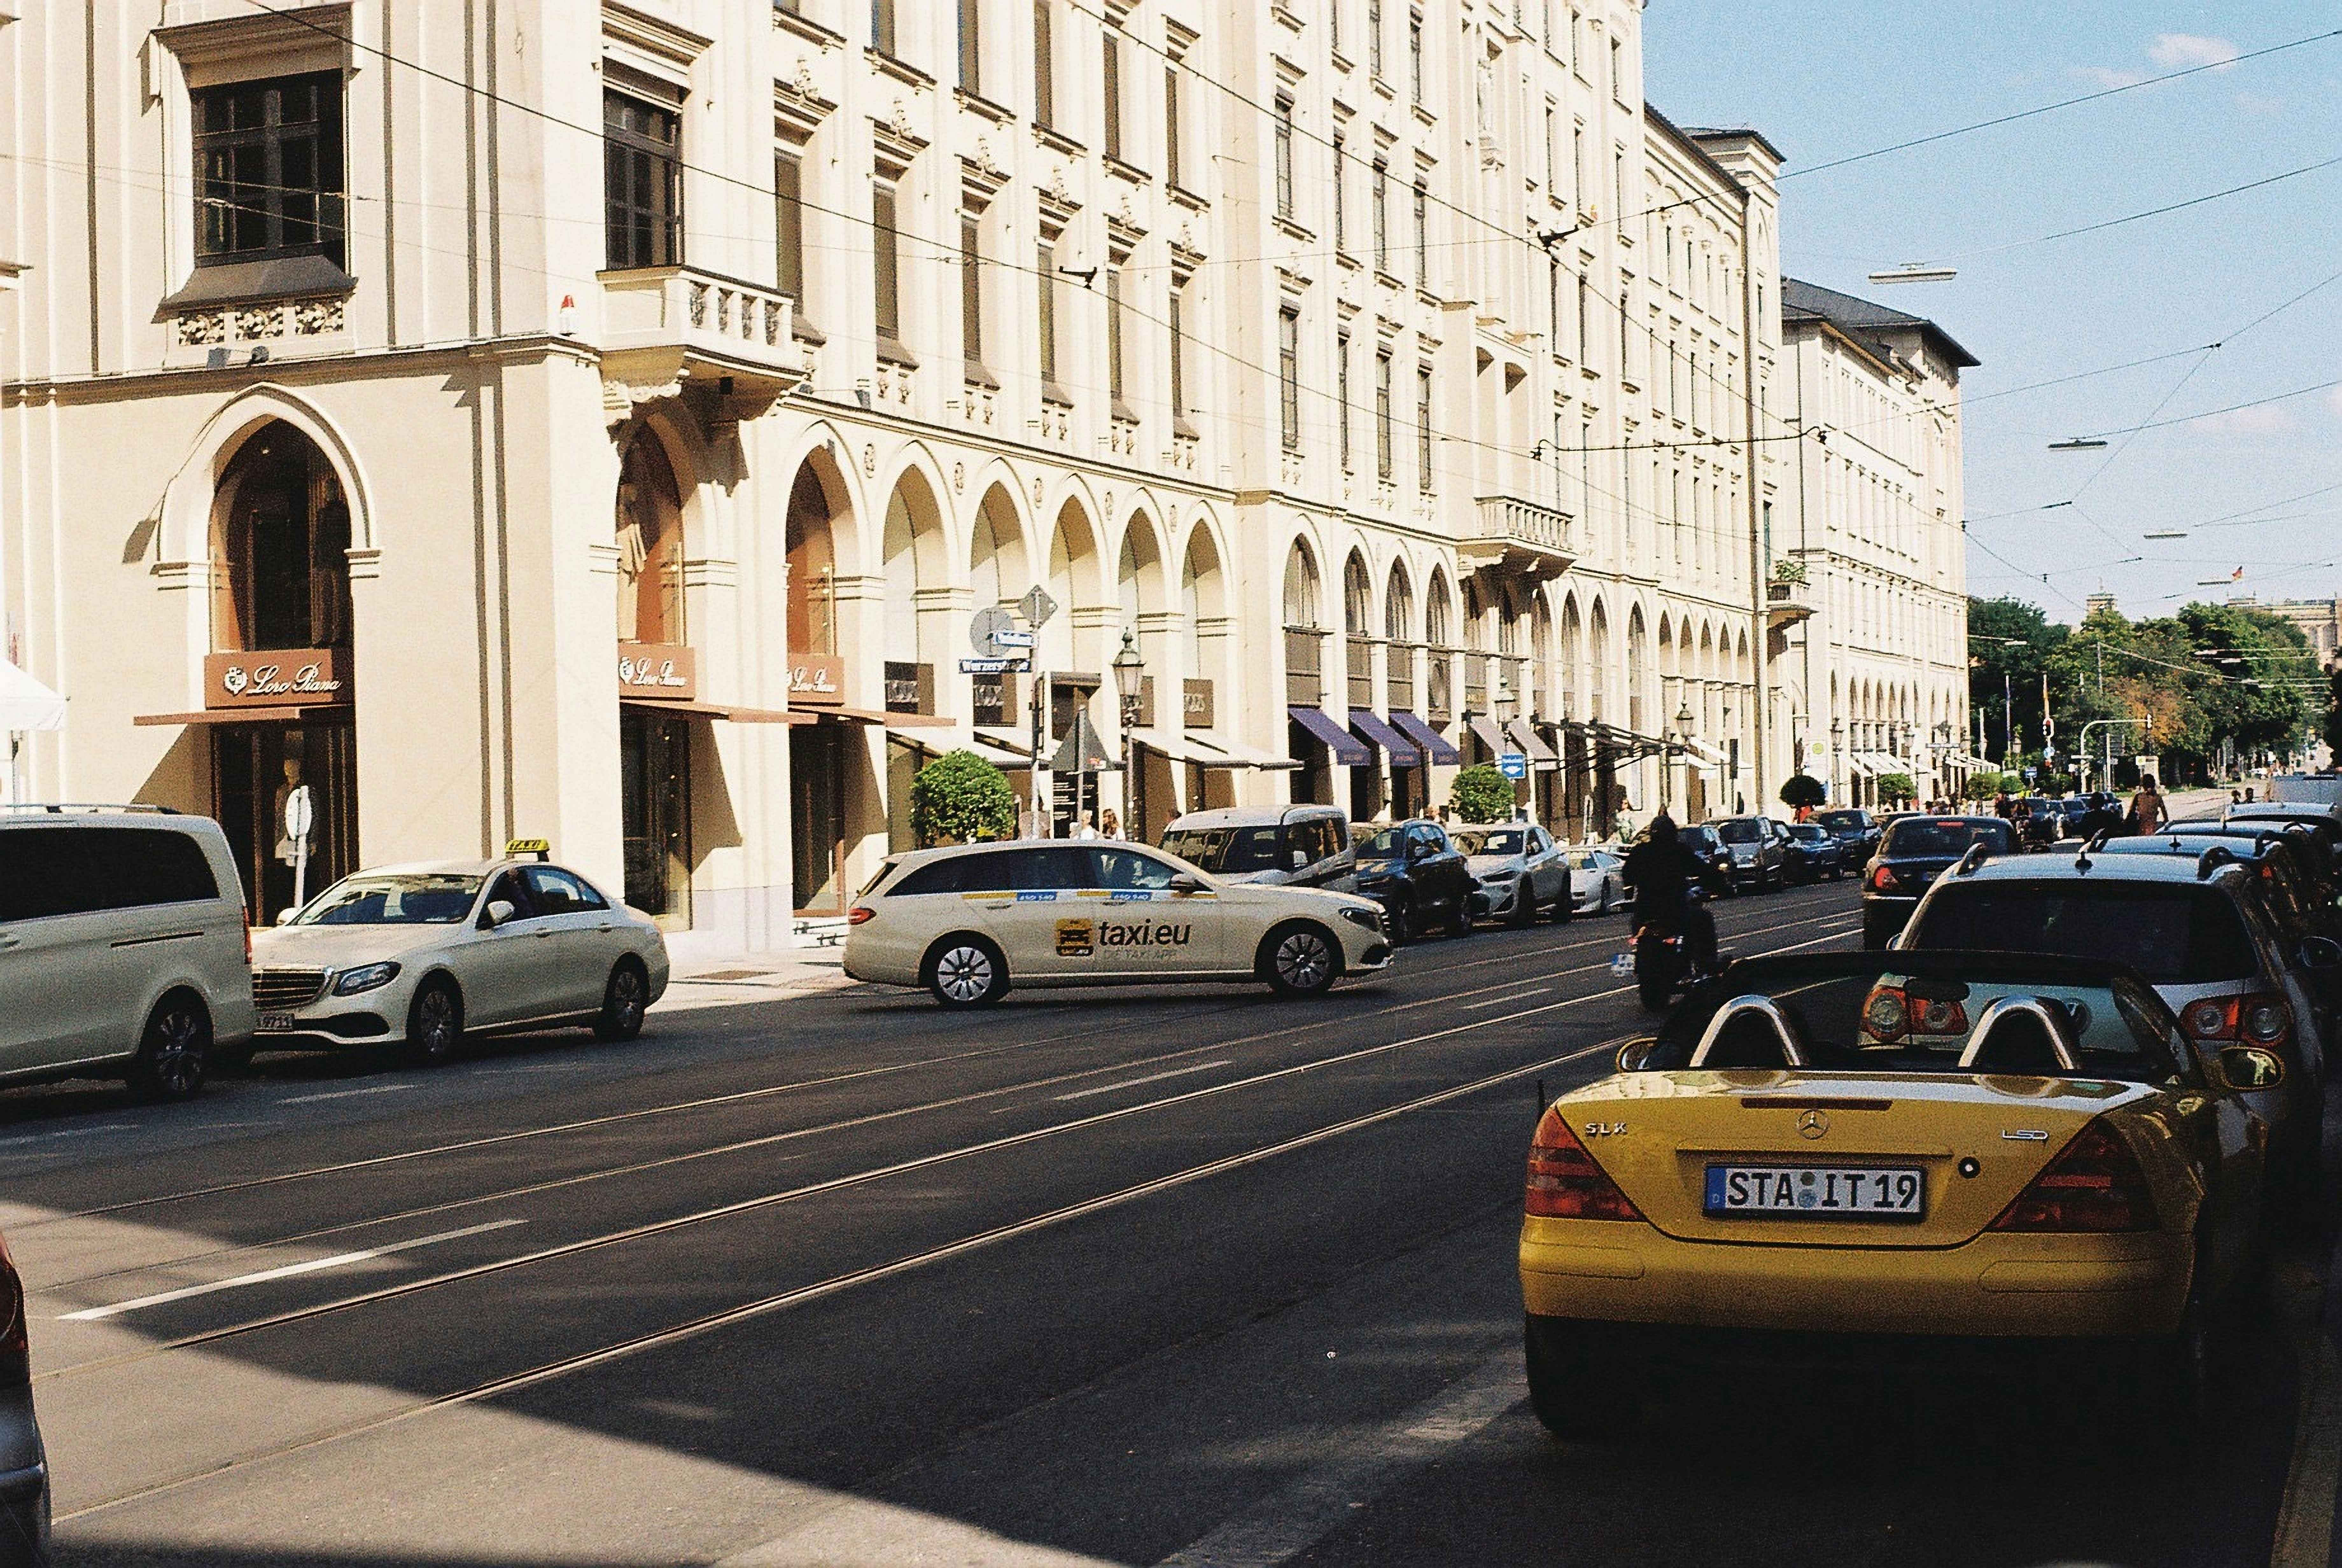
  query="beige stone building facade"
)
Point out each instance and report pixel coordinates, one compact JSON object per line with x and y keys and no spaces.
{"x":606,"y":423}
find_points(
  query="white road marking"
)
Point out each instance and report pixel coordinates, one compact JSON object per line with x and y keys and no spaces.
{"x":69,"y":1132}
{"x":314,"y":1266}
{"x":1286,"y":1524}
{"x":1150,"y":1078}
{"x":348,"y":1093}
{"x":1500,"y":1001}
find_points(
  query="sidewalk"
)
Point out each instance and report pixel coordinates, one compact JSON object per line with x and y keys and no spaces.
{"x":710,"y":979}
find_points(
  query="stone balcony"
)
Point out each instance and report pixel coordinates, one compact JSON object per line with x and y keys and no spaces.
{"x":664,"y":326}
{"x":1788,"y":601}
{"x":1517,"y":535}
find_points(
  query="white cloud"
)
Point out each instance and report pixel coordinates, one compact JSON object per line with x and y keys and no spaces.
{"x":2177,"y":51}
{"x":2269,"y":419}
{"x":2107,"y":77}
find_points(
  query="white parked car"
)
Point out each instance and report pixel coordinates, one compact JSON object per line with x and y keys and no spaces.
{"x":422,"y":954}
{"x":1521,"y":871}
{"x":1600,"y":878}
{"x":124,"y":950}
{"x":969,"y":921}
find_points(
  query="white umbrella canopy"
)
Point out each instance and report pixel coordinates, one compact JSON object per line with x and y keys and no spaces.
{"x":25,"y":704}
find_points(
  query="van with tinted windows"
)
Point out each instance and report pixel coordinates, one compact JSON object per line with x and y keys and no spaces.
{"x":1305,"y":845}
{"x":123,"y":948}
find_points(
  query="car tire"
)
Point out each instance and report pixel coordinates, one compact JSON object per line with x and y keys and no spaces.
{"x":1578,"y":1396}
{"x":625,"y":999}
{"x":965,"y":971}
{"x":2179,"y":1382}
{"x":1299,"y":958}
{"x":1525,"y":910}
{"x":1402,"y":928}
{"x":1459,"y":923}
{"x":174,"y":1050}
{"x":434,"y":1022}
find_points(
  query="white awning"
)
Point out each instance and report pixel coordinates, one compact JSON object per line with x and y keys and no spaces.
{"x":1856,"y":762}
{"x":1885,"y":763}
{"x":25,"y":704}
{"x":1702,"y":757}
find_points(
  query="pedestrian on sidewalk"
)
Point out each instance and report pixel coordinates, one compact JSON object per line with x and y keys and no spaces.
{"x":2146,"y":813}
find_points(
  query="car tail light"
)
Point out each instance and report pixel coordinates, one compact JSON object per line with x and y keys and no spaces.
{"x":1892,"y":1013}
{"x":1564,"y":1181}
{"x":14,"y":1364}
{"x":2095,"y":1184}
{"x":860,"y":913}
{"x":1883,"y":877}
{"x":2257,"y":1018}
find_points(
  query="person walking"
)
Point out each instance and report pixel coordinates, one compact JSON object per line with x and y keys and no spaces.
{"x":2146,"y":813}
{"x":1109,"y":825}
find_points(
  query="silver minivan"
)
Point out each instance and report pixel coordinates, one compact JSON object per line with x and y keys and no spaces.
{"x":1305,"y":845}
{"x":123,"y":948}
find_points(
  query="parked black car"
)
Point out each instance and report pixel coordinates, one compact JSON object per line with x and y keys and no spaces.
{"x":1713,"y":858}
{"x":1759,"y":846}
{"x":1814,"y":854}
{"x":1855,"y":832}
{"x":1418,"y":877}
{"x":1916,"y":851}
{"x":24,"y":1466}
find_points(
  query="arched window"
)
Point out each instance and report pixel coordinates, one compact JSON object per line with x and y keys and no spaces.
{"x":1304,"y":643}
{"x":650,"y":546}
{"x":1300,"y":588}
{"x":281,"y":530}
{"x":813,"y":567}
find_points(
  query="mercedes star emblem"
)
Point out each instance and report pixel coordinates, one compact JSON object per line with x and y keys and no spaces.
{"x":1812,"y":1124}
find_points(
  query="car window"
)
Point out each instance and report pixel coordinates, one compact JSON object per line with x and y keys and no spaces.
{"x":53,"y":870}
{"x":1383,"y":844}
{"x":1128,"y":871}
{"x":1059,"y":870}
{"x":1948,"y":836}
{"x":1424,"y":833}
{"x":513,"y":888}
{"x":1491,"y":841}
{"x":410,"y":898}
{"x":1229,"y":850}
{"x":559,"y":893}
{"x":2174,"y":935}
{"x":1739,"y":830}
{"x":952,"y":874}
{"x":1315,"y":837}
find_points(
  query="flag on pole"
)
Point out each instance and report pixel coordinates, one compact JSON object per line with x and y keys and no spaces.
{"x":2237,"y":575}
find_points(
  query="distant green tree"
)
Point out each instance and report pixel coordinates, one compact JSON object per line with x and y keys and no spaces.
{"x":1802,"y":790}
{"x":1481,"y":793}
{"x":1983,"y":785}
{"x":960,"y":798}
{"x":1898,"y":788}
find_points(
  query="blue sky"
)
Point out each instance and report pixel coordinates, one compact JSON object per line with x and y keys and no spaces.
{"x":1823,"y":81}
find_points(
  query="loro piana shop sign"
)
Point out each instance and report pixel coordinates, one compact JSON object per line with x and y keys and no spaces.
{"x":281,"y":678}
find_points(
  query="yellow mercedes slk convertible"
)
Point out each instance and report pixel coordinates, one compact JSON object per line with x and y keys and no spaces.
{"x":1866,"y":1157}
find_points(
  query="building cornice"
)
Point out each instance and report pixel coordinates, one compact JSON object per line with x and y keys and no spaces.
{"x":521,"y":349}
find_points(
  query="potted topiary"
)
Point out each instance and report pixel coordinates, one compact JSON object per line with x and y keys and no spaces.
{"x":1481,"y":794}
{"x":1802,"y":792}
{"x":960,"y":798}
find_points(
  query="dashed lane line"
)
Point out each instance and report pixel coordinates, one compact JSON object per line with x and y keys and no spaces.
{"x":1150,"y":1078}
{"x":284,"y":1272}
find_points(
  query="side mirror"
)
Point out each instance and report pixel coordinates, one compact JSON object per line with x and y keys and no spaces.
{"x":1183,"y":883}
{"x":284,"y":916}
{"x":496,"y":913}
{"x":2251,"y":1067}
{"x":2320,"y":952}
{"x":1635,"y":1054}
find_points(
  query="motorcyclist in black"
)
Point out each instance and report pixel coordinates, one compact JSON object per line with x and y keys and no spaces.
{"x":1662,"y":873}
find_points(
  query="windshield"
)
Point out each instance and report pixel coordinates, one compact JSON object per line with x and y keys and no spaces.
{"x":1897,"y":1013}
{"x":1490,"y":840}
{"x":1739,"y":830}
{"x":1946,"y":837}
{"x":1389,"y":843}
{"x":1844,"y":821}
{"x":2174,"y":935}
{"x":1228,"y":851}
{"x":415,"y":898}
{"x":1806,"y":832}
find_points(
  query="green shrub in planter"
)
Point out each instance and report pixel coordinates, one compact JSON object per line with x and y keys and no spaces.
{"x":960,"y":798}
{"x":1481,"y":794}
{"x":1985,"y":785}
{"x":1802,"y":789}
{"x":1897,"y":787}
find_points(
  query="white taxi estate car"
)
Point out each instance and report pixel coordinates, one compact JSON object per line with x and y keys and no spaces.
{"x":422,"y":954}
{"x":968,"y":921}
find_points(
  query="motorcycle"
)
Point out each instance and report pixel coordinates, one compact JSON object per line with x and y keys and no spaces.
{"x":1661,"y":962}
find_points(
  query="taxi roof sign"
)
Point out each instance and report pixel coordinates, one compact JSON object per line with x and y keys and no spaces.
{"x":538,"y":848}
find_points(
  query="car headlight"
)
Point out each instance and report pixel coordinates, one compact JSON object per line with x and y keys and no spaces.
{"x":372,"y":977}
{"x":1502,"y":874}
{"x":1372,"y":919}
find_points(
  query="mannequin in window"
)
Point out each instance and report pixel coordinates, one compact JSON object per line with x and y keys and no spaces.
{"x":284,"y":793}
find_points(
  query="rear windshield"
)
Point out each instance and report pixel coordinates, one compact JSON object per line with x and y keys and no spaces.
{"x":2174,"y":935}
{"x":1889,"y":1021}
{"x":1948,"y":836}
{"x":1739,"y":830}
{"x":1490,"y":840}
{"x":1806,"y":832}
{"x":1840,"y":819}
{"x":1228,"y":851}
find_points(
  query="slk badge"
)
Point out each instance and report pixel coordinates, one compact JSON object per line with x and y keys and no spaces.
{"x":1812,"y":1124}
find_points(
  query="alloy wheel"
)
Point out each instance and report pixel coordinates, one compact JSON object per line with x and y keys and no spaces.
{"x":176,"y":1057}
{"x":1303,"y":961}
{"x":435,"y":1011}
{"x":965,"y":974}
{"x":628,"y":998}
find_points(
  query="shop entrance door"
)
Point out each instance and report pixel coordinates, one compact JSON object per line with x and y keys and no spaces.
{"x":654,"y":783}
{"x":818,"y":817}
{"x":254,"y":768}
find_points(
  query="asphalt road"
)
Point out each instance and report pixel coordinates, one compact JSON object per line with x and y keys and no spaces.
{"x":1093,"y":1278}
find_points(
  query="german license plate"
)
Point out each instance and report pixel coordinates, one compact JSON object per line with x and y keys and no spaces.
{"x":1817,"y":1192}
{"x":277,"y":1024}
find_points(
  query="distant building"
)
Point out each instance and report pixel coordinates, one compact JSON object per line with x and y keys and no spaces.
{"x":2319,"y":620}
{"x":2099,"y":603}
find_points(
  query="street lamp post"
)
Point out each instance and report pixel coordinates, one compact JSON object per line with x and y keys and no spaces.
{"x":1838,"y":750}
{"x":1129,"y":678}
{"x":1684,"y":723}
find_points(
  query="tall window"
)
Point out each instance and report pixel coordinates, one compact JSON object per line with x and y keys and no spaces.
{"x":642,"y":183}
{"x":1171,"y":165}
{"x":1552,"y":151}
{"x":882,"y":27}
{"x":1110,"y":59}
{"x":1578,"y":167}
{"x":1342,"y":394}
{"x":268,"y":169}
{"x":1114,"y":382}
{"x":1374,"y":36}
{"x":1284,"y":155}
{"x":1178,"y":324}
{"x":1380,"y":203}
{"x":788,"y":200}
{"x":1341,"y":177}
{"x":971,"y":46}
{"x":1585,"y":321}
{"x":1422,"y":234}
{"x":1618,"y":70}
{"x":1415,"y":57}
{"x":1423,"y":427}
{"x":1552,"y":305}
{"x":971,"y":287}
{"x":1619,"y":184}
{"x":1044,"y":98}
{"x":1288,"y":374}
{"x":1045,"y":268}
{"x":885,"y":277}
{"x":1385,"y":459}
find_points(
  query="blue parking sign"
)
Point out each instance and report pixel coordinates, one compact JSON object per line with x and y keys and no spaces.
{"x":1514,"y":766}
